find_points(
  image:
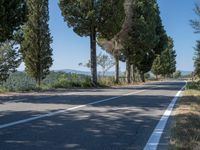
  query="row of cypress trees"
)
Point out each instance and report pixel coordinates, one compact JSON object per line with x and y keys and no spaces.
{"x":102,"y":19}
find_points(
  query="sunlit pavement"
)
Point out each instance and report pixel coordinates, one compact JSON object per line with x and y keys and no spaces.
{"x":101,"y":119}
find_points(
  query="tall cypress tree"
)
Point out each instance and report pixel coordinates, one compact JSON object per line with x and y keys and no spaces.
{"x":168,"y":59}
{"x":94,"y":18}
{"x":12,"y":16}
{"x":36,"y":50}
{"x":143,"y":36}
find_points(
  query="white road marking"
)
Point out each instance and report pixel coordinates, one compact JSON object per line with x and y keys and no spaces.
{"x":65,"y":110}
{"x":155,"y":137}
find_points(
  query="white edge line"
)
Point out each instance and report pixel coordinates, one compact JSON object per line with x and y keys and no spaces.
{"x":65,"y":110}
{"x":155,"y":137}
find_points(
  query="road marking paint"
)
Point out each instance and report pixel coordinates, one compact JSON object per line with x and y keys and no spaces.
{"x":64,"y":110}
{"x":155,"y":137}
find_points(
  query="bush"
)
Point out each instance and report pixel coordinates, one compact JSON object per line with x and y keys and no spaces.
{"x":72,"y":80}
{"x":108,"y":81}
{"x":193,"y":85}
{"x":19,"y":81}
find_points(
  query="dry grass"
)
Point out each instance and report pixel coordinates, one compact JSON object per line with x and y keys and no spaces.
{"x":185,"y":133}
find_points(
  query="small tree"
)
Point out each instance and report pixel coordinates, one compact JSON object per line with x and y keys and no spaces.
{"x":36,"y":48}
{"x":177,"y":74}
{"x":102,"y":19}
{"x":106,"y":62}
{"x":12,"y":16}
{"x":156,"y":67}
{"x":168,"y":59}
{"x":9,"y":59}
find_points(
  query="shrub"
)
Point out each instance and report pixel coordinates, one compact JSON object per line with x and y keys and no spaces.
{"x":19,"y":81}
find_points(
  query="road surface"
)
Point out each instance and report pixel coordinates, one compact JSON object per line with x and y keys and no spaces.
{"x":93,"y":119}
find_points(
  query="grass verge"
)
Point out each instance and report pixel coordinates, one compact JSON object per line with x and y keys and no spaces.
{"x":185,"y":133}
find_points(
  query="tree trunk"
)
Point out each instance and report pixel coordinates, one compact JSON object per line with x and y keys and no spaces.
{"x":128,"y":71}
{"x":142,"y":77}
{"x":117,"y":69}
{"x":133,"y":73}
{"x":38,"y":81}
{"x":93,"y":56}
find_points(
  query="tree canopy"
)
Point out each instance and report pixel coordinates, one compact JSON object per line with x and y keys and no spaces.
{"x":12,"y":16}
{"x":165,"y":64}
{"x":102,"y":19}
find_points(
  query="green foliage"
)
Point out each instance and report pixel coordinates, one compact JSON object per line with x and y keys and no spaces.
{"x":196,"y":23}
{"x":12,"y":15}
{"x":9,"y":59}
{"x":19,"y":81}
{"x":97,"y":19}
{"x":72,"y":80}
{"x":105,"y":16}
{"x":146,"y":38}
{"x":147,"y":76}
{"x":104,"y":61}
{"x":156,"y":67}
{"x":197,"y":59}
{"x":177,"y":74}
{"x":106,"y":81}
{"x":168,"y":59}
{"x":193,"y":86}
{"x":36,"y":48}
{"x":165,"y":64}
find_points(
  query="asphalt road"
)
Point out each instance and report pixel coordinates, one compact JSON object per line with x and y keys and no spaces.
{"x":96,"y":119}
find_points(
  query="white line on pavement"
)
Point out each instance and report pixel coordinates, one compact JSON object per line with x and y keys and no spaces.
{"x":65,"y":110}
{"x":155,"y":137}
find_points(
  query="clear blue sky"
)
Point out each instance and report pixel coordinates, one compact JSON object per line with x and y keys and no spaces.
{"x":69,"y":49}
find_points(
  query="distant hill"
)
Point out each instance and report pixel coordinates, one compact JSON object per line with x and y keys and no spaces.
{"x":74,"y":71}
{"x":109,"y":73}
{"x":185,"y":73}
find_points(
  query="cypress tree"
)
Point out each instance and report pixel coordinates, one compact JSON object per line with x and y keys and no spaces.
{"x":168,"y":59}
{"x":156,"y":67}
{"x":197,"y":59}
{"x":36,"y":50}
{"x":143,"y":36}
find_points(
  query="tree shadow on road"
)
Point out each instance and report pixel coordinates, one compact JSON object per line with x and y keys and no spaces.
{"x":124,"y":123}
